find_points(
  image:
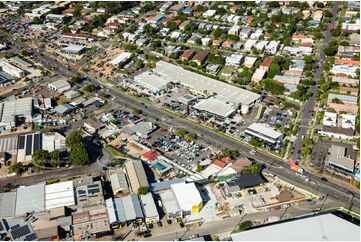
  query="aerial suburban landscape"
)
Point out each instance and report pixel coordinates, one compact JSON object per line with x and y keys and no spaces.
{"x":180,"y":121}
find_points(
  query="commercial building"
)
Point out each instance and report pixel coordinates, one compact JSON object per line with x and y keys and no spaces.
{"x":30,"y":199}
{"x":59,"y":195}
{"x":170,"y":205}
{"x":188,"y":198}
{"x":14,"y":112}
{"x":207,"y":86}
{"x":330,"y":226}
{"x":119,"y":182}
{"x":337,"y":132}
{"x":123,"y":57}
{"x":124,"y":210}
{"x":151,"y":214}
{"x":74,"y":49}
{"x":142,"y":129}
{"x":264,"y":133}
{"x":330,"y":119}
{"x":7,"y":204}
{"x":92,"y":125}
{"x":71,"y":94}
{"x":152,"y":82}
{"x":29,"y":143}
{"x":244,"y":181}
{"x":59,"y":86}
{"x":216,"y":107}
{"x":339,"y":160}
{"x":6,"y":79}
{"x":17,"y":229}
{"x":11,"y":69}
{"x":93,"y":222}
{"x":89,"y":193}
{"x":136,"y":175}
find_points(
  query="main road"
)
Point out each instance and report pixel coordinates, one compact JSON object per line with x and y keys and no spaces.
{"x":273,"y":164}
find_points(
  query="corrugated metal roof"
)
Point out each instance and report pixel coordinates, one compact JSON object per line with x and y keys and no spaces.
{"x":7,"y":204}
{"x":30,"y":198}
{"x":150,"y":209}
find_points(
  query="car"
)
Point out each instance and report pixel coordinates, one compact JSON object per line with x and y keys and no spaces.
{"x":324,"y":179}
{"x":147,"y":235}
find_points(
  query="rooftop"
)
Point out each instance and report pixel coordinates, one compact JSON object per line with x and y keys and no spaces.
{"x":216,"y":106}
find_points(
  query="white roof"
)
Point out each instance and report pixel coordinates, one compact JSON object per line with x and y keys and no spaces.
{"x":205,"y":84}
{"x":60,"y":84}
{"x":264,"y":131}
{"x":150,"y":209}
{"x":59,"y":195}
{"x":150,"y":79}
{"x":259,"y":74}
{"x":187,"y":195}
{"x":53,"y":141}
{"x":169,"y":202}
{"x":326,"y":227}
{"x":120,"y":58}
{"x":29,"y":199}
{"x":249,"y":60}
{"x":10,"y":109}
{"x":73,"y":48}
{"x":216,"y":106}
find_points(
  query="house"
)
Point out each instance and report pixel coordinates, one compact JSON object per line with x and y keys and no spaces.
{"x":330,"y":119}
{"x":261,"y":45}
{"x":249,"y":61}
{"x":188,"y":11}
{"x":341,"y":102}
{"x":348,"y":121}
{"x":265,"y":65}
{"x":248,"y":46}
{"x":245,"y":33}
{"x":184,"y":24}
{"x":194,"y":38}
{"x":234,"y":60}
{"x":71,"y":94}
{"x":258,"y":75}
{"x":296,"y":67}
{"x":345,"y":80}
{"x":201,"y":57}
{"x":257,"y":34}
{"x":353,"y":91}
{"x":209,"y":13}
{"x":272,"y":47}
{"x":297,"y":51}
{"x":347,"y":62}
{"x":188,"y":54}
{"x":234,"y":30}
{"x":92,"y":125}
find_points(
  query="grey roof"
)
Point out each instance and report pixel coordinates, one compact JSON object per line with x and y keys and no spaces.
{"x":164,"y":185}
{"x":30,"y":198}
{"x":338,"y":156}
{"x":149,"y":207}
{"x":21,"y":61}
{"x":319,"y":228}
{"x":63,"y":108}
{"x":143,"y":128}
{"x":170,"y":202}
{"x":5,"y":77}
{"x":118,"y":181}
{"x":346,"y":98}
{"x":7,"y":204}
{"x":128,"y":208}
{"x":245,"y":181}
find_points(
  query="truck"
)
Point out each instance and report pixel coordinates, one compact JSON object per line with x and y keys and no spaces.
{"x":296,"y":167}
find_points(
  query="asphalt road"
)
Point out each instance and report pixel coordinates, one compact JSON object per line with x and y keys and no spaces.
{"x":306,"y":117}
{"x":332,"y":189}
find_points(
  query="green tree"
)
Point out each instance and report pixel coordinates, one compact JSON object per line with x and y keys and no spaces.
{"x":252,"y":169}
{"x":308,"y":59}
{"x":75,"y":79}
{"x":191,"y":136}
{"x":65,"y":29}
{"x":89,"y":88}
{"x":41,"y":157}
{"x":136,"y":111}
{"x":36,"y":20}
{"x":274,"y":70}
{"x":199,"y":168}
{"x":16,"y":168}
{"x":229,"y":152}
{"x":255,"y":142}
{"x":143,"y":190}
{"x":139,"y":64}
{"x":272,"y":86}
{"x":78,"y":154}
{"x":180,"y":133}
{"x":73,"y":139}
{"x":217,"y":33}
{"x":55,"y":158}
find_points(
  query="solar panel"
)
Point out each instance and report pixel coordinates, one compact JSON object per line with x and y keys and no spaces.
{"x":30,"y":237}
{"x":15,"y":226}
{"x":21,"y":142}
{"x":20,"y":232}
{"x":93,"y":190}
{"x":36,"y":142}
{"x":29,"y":142}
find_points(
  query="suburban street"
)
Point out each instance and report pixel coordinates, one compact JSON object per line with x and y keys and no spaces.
{"x":316,"y":185}
{"x":309,"y":106}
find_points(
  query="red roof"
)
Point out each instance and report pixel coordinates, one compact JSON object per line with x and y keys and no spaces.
{"x":250,"y":20}
{"x":348,"y":62}
{"x":267,"y":61}
{"x":113,"y":24}
{"x":151,"y":154}
{"x":226,"y":160}
{"x":219,"y":163}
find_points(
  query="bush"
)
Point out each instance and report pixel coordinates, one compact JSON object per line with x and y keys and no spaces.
{"x":143,"y":190}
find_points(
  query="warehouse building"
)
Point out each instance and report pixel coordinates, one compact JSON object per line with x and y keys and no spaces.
{"x":14,"y":112}
{"x":124,"y":210}
{"x":30,"y":199}
{"x":339,"y":160}
{"x":136,"y":175}
{"x":59,"y":195}
{"x":151,"y":214}
{"x":216,"y":107}
{"x":125,"y":56}
{"x":74,"y":50}
{"x":170,"y":205}
{"x":334,"y":226}
{"x":59,"y":86}
{"x":264,"y":133}
{"x":152,"y":82}
{"x":7,"y":204}
{"x":6,"y":79}
{"x":188,"y":198}
{"x":9,"y":144}
{"x":208,"y":86}
{"x":88,"y":193}
{"x":29,"y":143}
{"x":119,"y":182}
{"x":11,"y":69}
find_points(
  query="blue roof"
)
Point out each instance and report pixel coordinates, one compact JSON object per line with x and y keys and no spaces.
{"x":188,"y":10}
{"x":158,"y":186}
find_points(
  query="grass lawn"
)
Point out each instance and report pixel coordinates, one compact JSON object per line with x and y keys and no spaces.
{"x":226,"y":70}
{"x":114,"y":151}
